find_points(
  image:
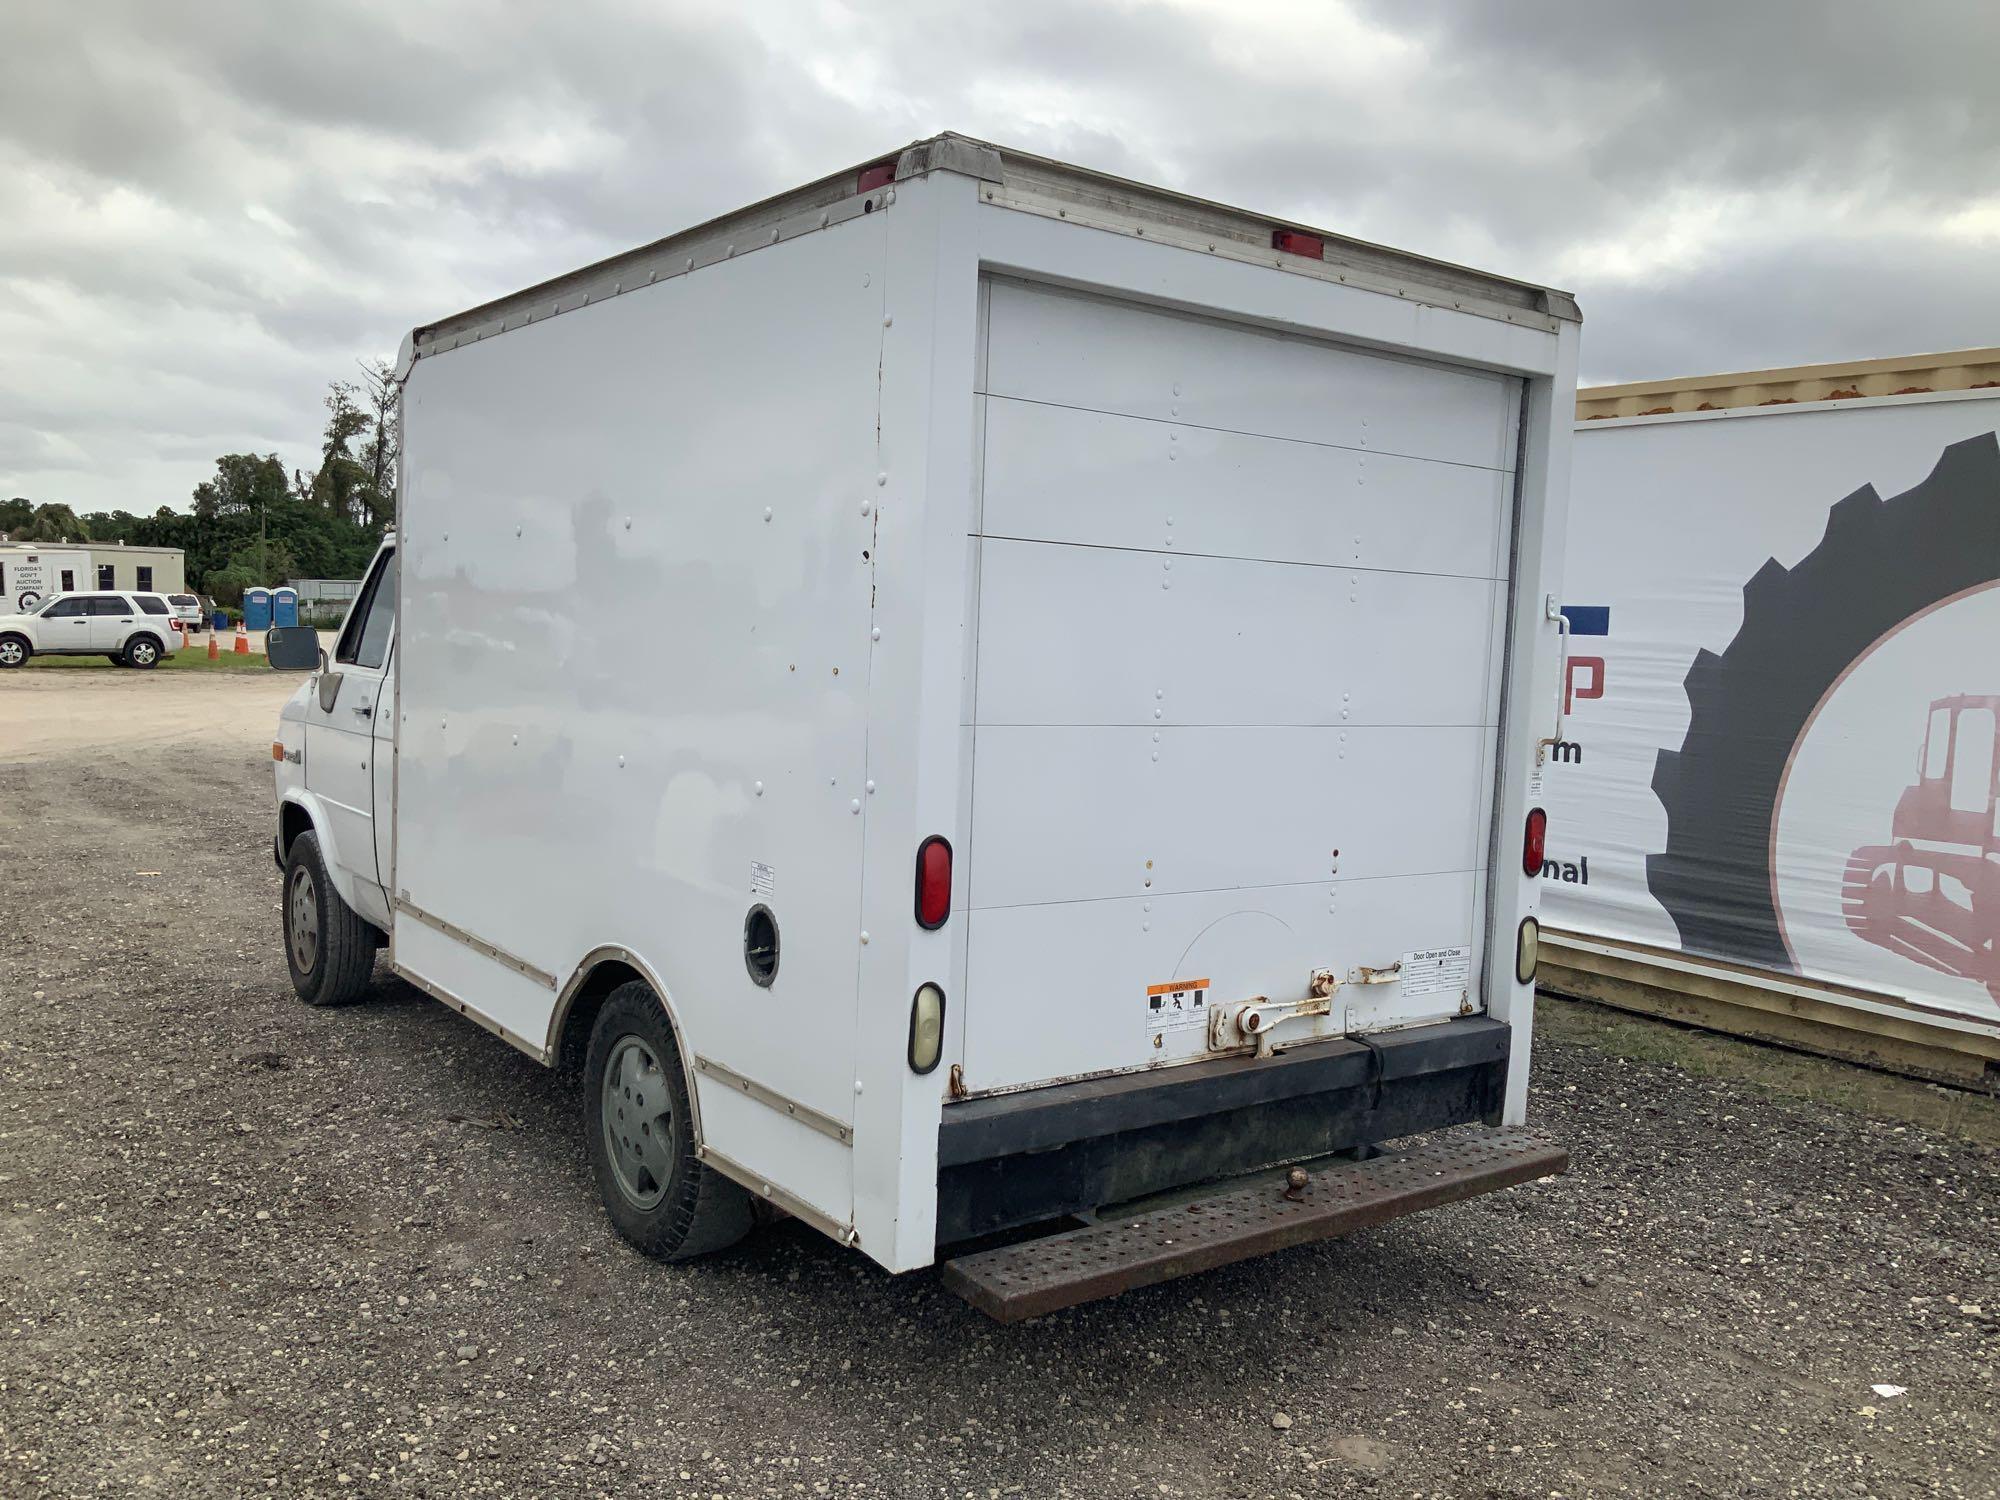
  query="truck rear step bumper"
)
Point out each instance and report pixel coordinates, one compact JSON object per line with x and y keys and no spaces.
{"x":1018,"y":1159}
{"x":1016,"y":1282}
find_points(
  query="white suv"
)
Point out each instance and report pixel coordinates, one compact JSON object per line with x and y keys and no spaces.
{"x":187,"y":609}
{"x":133,"y":629}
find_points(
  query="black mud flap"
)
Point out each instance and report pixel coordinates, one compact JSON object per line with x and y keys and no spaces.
{"x":1026,"y":1280}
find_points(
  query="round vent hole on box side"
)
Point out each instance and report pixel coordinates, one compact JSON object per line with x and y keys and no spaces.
{"x":760,"y":945}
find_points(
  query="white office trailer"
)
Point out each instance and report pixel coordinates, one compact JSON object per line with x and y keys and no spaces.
{"x":1037,"y":677}
{"x":31,"y":573}
{"x":1775,"y":808}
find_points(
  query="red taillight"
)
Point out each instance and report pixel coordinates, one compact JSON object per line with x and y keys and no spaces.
{"x":1297,"y":242}
{"x":880,"y":175}
{"x":1536,"y":840}
{"x":933,"y":882}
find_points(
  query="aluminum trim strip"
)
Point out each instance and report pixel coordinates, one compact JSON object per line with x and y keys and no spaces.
{"x":478,"y":945}
{"x":805,"y":1114}
{"x":445,"y":997}
{"x":1410,"y":288}
{"x":797,"y":1207}
{"x":724,"y":239}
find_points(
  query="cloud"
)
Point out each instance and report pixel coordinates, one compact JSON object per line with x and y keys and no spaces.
{"x":213,"y":208}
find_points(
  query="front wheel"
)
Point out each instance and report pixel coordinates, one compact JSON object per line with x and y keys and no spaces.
{"x":14,"y":650}
{"x":329,"y":950}
{"x":639,"y":1133}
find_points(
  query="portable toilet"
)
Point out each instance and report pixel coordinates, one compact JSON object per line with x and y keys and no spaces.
{"x":256,"y":609}
{"x":284,"y":606}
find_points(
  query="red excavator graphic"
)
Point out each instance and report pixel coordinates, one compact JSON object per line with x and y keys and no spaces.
{"x":1933,"y":892}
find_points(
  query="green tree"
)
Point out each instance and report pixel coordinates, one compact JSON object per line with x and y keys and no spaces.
{"x":47,"y":523}
{"x":382,"y":454}
{"x":342,"y":483}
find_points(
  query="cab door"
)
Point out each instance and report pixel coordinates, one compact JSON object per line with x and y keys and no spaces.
{"x":340,"y":723}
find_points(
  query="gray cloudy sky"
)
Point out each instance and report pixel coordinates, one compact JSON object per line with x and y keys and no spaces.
{"x":207,"y":210}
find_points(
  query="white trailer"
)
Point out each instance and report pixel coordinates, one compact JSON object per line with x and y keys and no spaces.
{"x":969,"y":693}
{"x":1778,"y":793}
{"x":31,"y":573}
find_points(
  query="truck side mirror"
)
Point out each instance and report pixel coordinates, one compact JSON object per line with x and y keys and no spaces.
{"x":292,"y":648}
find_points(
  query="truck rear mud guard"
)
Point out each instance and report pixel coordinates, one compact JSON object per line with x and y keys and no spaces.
{"x":1017,"y":1282}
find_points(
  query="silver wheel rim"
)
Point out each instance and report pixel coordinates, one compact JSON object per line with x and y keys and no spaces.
{"x":302,"y":920}
{"x":143,"y":652}
{"x":10,"y":653}
{"x":637,"y":1112}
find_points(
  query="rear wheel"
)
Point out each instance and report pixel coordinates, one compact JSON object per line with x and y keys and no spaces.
{"x":142,"y":651}
{"x":329,"y":950}
{"x":639,"y":1132}
{"x":14,"y":650}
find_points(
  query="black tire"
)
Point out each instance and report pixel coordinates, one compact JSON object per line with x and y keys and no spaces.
{"x":1879,"y":563}
{"x":143,"y":652}
{"x":682,"y":1209}
{"x":14,"y":650}
{"x":336,"y":965}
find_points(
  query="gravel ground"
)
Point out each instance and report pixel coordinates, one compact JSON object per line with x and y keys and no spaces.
{"x":247,"y":1247}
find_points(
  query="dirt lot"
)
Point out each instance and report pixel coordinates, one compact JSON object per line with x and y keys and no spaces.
{"x":247,"y":1247}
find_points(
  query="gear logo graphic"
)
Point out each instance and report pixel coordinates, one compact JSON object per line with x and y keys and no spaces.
{"x":1879,"y":564}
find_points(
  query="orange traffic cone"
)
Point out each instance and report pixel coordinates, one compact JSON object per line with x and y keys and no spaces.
{"x":242,"y":640}
{"x":214,"y":646}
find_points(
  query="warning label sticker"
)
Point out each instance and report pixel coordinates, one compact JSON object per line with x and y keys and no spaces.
{"x":763,"y":879}
{"x":1177,"y":1005}
{"x":1431,"y":970}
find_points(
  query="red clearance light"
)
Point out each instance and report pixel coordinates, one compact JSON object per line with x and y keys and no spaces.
{"x":1536,"y":841}
{"x":1296,"y":242}
{"x":933,"y":882}
{"x":880,"y":175}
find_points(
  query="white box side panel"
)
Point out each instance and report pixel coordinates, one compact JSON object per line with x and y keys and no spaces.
{"x":634,"y":651}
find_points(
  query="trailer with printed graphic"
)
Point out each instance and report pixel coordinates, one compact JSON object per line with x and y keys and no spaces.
{"x":967,"y":694}
{"x":1783,"y":590}
{"x":31,"y":574}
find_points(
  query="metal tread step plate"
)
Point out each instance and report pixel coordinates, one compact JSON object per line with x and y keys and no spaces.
{"x":1026,"y":1280}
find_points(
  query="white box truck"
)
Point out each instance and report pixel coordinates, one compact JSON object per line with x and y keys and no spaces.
{"x":972,"y":697}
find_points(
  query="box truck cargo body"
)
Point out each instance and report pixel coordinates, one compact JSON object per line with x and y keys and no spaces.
{"x":1037,"y":677}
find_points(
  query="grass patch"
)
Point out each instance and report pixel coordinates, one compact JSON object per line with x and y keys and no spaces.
{"x":187,"y":659}
{"x":1773,"y":1070}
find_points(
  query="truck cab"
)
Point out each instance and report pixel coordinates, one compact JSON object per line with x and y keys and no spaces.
{"x":334,"y":758}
